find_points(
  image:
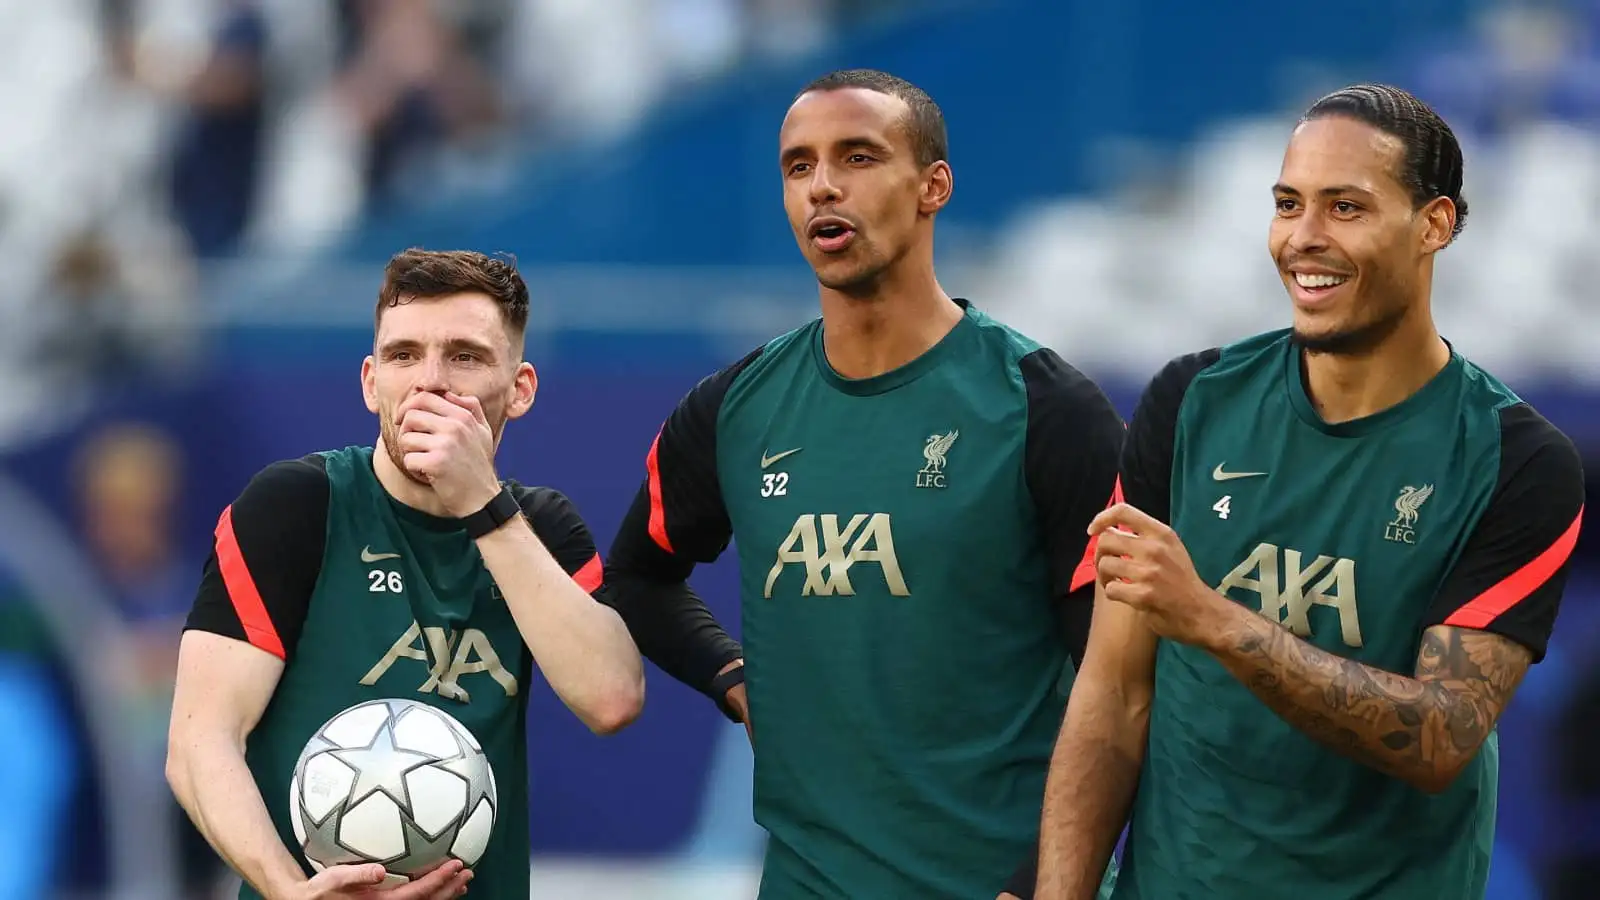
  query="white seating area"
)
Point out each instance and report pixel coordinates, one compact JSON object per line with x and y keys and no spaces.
{"x":1120,"y":290}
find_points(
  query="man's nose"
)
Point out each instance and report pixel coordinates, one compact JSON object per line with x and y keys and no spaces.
{"x":431,"y":379}
{"x":824,"y":192}
{"x":1310,"y":234}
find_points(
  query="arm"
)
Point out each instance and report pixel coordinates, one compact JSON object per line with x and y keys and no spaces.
{"x":244,"y":625}
{"x":1422,"y":730}
{"x":669,"y":622}
{"x":581,"y":646}
{"x":223,"y":687}
{"x":676,"y":521}
{"x":1094,"y":770}
{"x":547,"y":568}
{"x":1491,"y":619}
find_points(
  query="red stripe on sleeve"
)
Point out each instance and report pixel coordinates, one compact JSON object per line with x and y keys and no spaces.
{"x":1514,"y":588}
{"x":1085,"y":572}
{"x":591,"y":576}
{"x":242,"y":590}
{"x":658,"y":512}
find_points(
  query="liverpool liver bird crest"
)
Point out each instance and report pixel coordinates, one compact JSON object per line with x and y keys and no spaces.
{"x":1407,"y":504}
{"x":938,"y":445}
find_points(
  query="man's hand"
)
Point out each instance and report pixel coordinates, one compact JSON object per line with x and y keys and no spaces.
{"x":738,"y":700}
{"x":741,"y":705}
{"x":447,"y":443}
{"x":1008,"y":897}
{"x":366,"y":881}
{"x":1142,"y":564}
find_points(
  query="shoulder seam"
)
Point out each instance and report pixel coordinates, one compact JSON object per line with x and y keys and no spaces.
{"x":743,"y":363}
{"x":1188,"y":367}
{"x":1019,"y":346}
{"x":1049,"y":360}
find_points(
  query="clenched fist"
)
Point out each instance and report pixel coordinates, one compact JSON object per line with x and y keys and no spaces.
{"x":1141,"y":562}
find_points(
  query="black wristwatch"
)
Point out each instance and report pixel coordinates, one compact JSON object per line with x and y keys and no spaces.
{"x":502,"y":509}
{"x":721,"y":685}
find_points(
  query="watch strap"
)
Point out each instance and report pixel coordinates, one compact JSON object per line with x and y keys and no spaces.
{"x":721,"y":685}
{"x":502,"y":509}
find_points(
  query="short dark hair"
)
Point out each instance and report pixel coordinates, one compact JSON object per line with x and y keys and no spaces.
{"x":417,"y":274}
{"x":924,"y":125}
{"x":1432,"y":164}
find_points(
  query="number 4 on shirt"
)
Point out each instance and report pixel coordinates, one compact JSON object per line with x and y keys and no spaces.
{"x":1222,"y":506}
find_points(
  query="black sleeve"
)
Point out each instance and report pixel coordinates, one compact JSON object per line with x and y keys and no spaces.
{"x":1147,"y":455}
{"x":556,"y":522}
{"x":677,"y":520}
{"x":1509,"y":577}
{"x":1073,"y":446}
{"x":265,"y":558}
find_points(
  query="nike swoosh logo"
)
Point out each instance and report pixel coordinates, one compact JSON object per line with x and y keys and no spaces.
{"x":1219,"y":475}
{"x":367,"y":556}
{"x":769,"y":460}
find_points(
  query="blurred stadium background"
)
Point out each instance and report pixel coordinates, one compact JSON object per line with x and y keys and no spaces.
{"x":197,"y":196}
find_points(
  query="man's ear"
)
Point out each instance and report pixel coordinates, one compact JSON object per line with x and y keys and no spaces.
{"x":1438,"y":224}
{"x":369,"y":384}
{"x":938,"y":183}
{"x":523,"y":389}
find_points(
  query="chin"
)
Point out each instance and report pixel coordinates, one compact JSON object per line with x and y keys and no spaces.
{"x":1357,"y":339}
{"x":856,"y":280}
{"x":1322,"y":340}
{"x":842,"y":285}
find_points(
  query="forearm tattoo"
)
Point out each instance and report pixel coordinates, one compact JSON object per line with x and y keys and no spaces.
{"x":1420,"y":729}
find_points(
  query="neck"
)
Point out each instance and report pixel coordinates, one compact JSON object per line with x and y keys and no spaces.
{"x":901,"y":319}
{"x":1344,"y":387}
{"x":396,"y":483}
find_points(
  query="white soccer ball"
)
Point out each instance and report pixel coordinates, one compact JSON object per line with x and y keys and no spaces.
{"x":395,"y":782}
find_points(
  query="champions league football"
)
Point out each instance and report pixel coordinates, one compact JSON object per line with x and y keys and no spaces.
{"x":394,"y":782}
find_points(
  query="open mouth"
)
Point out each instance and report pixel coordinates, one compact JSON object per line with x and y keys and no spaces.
{"x":1312,"y":289}
{"x":831,"y":235}
{"x":1319,"y":282}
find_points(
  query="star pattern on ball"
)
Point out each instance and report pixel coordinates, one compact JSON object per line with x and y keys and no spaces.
{"x":422,"y":853}
{"x":473,"y":767}
{"x":325,"y":838}
{"x":381,"y":766}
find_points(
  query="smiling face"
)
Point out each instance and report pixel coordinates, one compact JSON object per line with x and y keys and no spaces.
{"x":459,"y":344}
{"x":857,"y":199}
{"x":1350,"y":243}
